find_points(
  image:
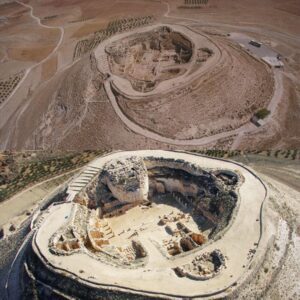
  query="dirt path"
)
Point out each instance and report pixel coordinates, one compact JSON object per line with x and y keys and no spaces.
{"x":61,"y":29}
{"x":246,"y":26}
{"x":278,"y":93}
{"x":155,"y":136}
{"x":247,"y":128}
{"x":158,"y":272}
{"x":23,"y":200}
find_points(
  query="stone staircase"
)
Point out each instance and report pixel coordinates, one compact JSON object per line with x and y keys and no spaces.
{"x":83,"y":179}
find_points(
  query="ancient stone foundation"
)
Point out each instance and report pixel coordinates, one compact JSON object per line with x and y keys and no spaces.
{"x":150,"y":217}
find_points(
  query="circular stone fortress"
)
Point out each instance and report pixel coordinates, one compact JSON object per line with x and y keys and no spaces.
{"x":174,"y":83}
{"x":148,"y":58}
{"x":155,"y":224}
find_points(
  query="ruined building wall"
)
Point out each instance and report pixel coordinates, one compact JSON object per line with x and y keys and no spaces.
{"x":173,"y":185}
{"x":129,"y":196}
{"x":127,"y":179}
{"x":152,"y":162}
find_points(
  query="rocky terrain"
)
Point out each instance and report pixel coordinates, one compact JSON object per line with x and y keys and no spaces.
{"x":66,"y":90}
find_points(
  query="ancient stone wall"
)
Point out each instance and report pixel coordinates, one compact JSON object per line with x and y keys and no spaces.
{"x":152,"y":162}
{"x":127,"y":179}
{"x":203,"y":267}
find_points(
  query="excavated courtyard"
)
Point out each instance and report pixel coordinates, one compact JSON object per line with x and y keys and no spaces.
{"x":172,"y":219}
{"x":150,"y":57}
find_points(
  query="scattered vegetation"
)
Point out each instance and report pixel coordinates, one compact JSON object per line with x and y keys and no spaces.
{"x":210,"y":52}
{"x":280,"y":154}
{"x":114,"y":27}
{"x":21,"y":170}
{"x":193,"y":3}
{"x":262,"y":113}
{"x":7,"y":85}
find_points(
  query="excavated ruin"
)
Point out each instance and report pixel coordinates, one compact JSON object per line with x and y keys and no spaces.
{"x":136,"y":216}
{"x":201,"y":203}
{"x":150,"y":57}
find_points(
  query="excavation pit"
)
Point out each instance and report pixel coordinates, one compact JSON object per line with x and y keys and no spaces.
{"x":148,"y":58}
{"x":172,"y":219}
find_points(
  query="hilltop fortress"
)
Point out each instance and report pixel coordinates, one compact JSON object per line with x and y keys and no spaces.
{"x":172,"y":219}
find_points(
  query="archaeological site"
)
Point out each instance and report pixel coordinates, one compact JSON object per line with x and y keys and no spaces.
{"x":149,"y":149}
{"x":155,"y":74}
{"x":171,"y":219}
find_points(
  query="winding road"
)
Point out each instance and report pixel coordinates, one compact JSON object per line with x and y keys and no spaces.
{"x":157,"y":137}
{"x":239,"y":132}
{"x":156,"y":276}
{"x":60,"y":28}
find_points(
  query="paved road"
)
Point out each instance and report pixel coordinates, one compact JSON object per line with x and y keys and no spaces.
{"x":247,"y":128}
{"x":145,"y":132}
{"x":155,"y":136}
{"x":237,"y":256}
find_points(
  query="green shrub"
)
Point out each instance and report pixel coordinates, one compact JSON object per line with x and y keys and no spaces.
{"x":262,"y":113}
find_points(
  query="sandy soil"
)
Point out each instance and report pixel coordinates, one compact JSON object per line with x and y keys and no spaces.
{"x":22,"y":39}
{"x":126,"y":225}
{"x":276,"y":24}
{"x":15,"y":209}
{"x":278,"y":268}
{"x":277,"y":276}
{"x":272,"y":22}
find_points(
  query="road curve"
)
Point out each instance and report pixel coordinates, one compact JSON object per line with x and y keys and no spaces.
{"x":157,"y":137}
{"x":28,"y":70}
{"x":247,"y":128}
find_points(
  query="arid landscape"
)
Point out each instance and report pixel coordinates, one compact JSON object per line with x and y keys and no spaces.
{"x":149,"y":149}
{"x":63,"y":86}
{"x":165,"y":216}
